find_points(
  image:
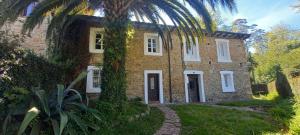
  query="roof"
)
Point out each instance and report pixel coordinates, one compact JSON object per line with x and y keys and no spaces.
{"x":150,"y":26}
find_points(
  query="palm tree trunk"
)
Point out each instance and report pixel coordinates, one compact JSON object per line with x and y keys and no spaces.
{"x":114,"y":76}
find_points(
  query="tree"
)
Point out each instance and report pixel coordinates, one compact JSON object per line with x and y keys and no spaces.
{"x":282,"y":47}
{"x":256,"y":40}
{"x":282,"y":84}
{"x":117,"y":15}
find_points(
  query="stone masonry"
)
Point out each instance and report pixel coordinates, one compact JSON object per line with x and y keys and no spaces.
{"x":36,"y":40}
{"x":137,"y":63}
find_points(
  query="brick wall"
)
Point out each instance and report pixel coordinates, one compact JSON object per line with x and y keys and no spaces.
{"x":137,"y":63}
{"x":36,"y":40}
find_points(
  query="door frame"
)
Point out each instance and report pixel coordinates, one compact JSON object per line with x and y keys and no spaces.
{"x":161,"y":91}
{"x":200,"y":81}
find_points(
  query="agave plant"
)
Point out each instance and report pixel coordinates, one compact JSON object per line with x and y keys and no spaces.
{"x":56,"y":109}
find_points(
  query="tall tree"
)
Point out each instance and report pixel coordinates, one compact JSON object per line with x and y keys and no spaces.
{"x":282,"y":48}
{"x":117,"y":15}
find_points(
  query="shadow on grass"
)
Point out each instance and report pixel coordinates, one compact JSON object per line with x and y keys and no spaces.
{"x":282,"y":112}
{"x":208,"y":120}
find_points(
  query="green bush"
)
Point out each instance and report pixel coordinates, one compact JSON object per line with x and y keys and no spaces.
{"x":49,"y":112}
{"x":23,"y":68}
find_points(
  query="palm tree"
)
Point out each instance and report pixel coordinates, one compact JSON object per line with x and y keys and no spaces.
{"x":117,"y":14}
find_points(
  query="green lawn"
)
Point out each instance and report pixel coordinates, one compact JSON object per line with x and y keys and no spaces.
{"x":117,"y":123}
{"x":144,"y":126}
{"x":285,"y":111}
{"x":206,"y":120}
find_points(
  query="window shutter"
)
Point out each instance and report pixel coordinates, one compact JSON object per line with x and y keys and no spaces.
{"x":90,"y":80}
{"x":227,"y":81}
{"x":223,"y":50}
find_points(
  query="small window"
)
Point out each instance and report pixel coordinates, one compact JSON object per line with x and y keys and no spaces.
{"x":153,"y":44}
{"x":227,"y":81}
{"x":191,"y":52}
{"x":96,"y":40}
{"x":93,"y":84}
{"x":223,"y":50}
{"x":29,"y":9}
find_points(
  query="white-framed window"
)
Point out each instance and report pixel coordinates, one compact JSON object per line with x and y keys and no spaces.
{"x":223,"y":50}
{"x":96,"y":43}
{"x":227,"y":81}
{"x":191,"y":52}
{"x":29,"y":9}
{"x":152,"y":44}
{"x":93,"y":81}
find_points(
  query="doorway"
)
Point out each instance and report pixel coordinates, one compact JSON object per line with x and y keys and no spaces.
{"x":194,"y":86}
{"x":153,"y":86}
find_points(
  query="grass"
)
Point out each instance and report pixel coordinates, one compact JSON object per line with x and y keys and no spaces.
{"x":206,"y":120}
{"x":256,"y":101}
{"x":286,"y":112}
{"x":144,"y":126}
{"x":117,"y":123}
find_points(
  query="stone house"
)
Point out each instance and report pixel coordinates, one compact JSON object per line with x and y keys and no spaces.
{"x":213,"y":69}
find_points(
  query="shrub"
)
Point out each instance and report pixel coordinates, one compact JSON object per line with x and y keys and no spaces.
{"x":282,"y":84}
{"x":51,"y":112}
{"x":23,"y":68}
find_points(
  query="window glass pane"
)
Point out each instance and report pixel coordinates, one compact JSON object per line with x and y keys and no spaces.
{"x":152,"y":44}
{"x":152,"y":83}
{"x":96,"y":78}
{"x":98,"y":36}
{"x":191,"y":51}
{"x":149,"y":45}
{"x":99,"y":41}
{"x":154,"y":49}
{"x":226,"y":80}
{"x":154,"y":41}
{"x":222,"y":50}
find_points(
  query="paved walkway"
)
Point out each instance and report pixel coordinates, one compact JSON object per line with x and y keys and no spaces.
{"x":171,"y":125}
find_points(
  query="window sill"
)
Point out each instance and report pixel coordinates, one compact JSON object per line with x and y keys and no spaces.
{"x":96,"y":51}
{"x":231,"y":91}
{"x":95,"y":90}
{"x":225,"y":61}
{"x":192,"y":60}
{"x":153,"y":54}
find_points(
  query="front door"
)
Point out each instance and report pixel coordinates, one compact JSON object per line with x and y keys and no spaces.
{"x":153,"y":87}
{"x":193,"y":87}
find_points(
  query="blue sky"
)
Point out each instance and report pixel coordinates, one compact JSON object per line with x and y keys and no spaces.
{"x":265,"y":13}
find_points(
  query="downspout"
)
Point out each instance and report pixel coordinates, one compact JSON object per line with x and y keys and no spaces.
{"x":170,"y":74}
{"x":183,"y":64}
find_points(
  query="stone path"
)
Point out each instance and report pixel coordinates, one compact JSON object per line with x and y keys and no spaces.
{"x":171,"y":125}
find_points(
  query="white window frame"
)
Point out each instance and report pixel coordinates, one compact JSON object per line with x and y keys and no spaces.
{"x":224,"y":88}
{"x":221,"y":58}
{"x":89,"y":80}
{"x":186,"y":57}
{"x":159,"y":44}
{"x":92,"y":43}
{"x":161,"y":87}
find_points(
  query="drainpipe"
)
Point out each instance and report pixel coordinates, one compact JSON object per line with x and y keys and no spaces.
{"x":170,"y":74}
